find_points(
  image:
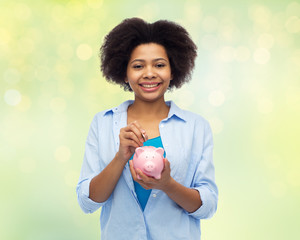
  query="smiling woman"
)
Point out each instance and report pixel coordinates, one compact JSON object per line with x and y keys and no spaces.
{"x":148,"y":59}
{"x":149,"y":72}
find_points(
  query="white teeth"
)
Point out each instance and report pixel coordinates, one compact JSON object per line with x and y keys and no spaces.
{"x":149,"y":85}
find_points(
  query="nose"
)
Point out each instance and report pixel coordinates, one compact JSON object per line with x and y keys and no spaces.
{"x":149,"y":166}
{"x":149,"y":73}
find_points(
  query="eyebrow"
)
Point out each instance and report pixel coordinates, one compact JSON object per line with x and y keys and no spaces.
{"x":154,"y":60}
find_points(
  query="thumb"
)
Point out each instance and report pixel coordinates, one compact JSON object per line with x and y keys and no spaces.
{"x":167,"y":163}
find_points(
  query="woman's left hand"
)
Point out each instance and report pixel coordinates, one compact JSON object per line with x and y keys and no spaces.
{"x":150,"y":182}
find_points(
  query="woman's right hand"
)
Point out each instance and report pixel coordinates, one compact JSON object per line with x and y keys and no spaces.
{"x":131,"y":137}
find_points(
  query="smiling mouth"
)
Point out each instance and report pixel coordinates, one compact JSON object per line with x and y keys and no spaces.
{"x":149,"y":85}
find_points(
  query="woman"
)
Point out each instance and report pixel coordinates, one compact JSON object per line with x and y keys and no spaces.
{"x":148,"y":59}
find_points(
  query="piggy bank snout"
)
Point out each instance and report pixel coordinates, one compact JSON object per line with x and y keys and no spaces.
{"x":149,"y":166}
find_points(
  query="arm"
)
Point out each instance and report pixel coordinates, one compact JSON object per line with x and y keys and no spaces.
{"x":187,"y":198}
{"x":102,"y":185}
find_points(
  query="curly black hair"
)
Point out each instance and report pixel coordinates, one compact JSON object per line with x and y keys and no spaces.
{"x":131,"y":32}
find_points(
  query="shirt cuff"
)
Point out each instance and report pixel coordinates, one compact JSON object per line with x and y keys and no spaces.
{"x":209,"y":204}
{"x":83,"y":193}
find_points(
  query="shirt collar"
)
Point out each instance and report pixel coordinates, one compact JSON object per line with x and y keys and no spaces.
{"x":175,"y":111}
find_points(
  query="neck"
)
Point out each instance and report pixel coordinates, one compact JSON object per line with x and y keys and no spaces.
{"x":143,"y":108}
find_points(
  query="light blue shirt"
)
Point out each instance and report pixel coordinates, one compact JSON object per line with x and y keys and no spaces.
{"x":188,"y":143}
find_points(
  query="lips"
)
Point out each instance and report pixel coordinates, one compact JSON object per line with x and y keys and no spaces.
{"x":149,"y":85}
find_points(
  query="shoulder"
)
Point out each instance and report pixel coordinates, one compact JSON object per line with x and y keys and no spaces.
{"x":109,"y":113}
{"x":188,"y":116}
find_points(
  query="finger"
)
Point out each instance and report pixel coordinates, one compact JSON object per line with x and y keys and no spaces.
{"x":129,"y":143}
{"x":144,"y":178}
{"x":132,"y":128}
{"x":167,"y":163}
{"x":131,"y":136}
{"x":142,"y":131}
{"x":132,"y":170}
{"x":167,"y":167}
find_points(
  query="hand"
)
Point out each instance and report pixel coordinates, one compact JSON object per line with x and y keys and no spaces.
{"x":150,"y":182}
{"x":131,"y":137}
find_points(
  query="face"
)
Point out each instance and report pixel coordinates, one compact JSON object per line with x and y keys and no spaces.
{"x":149,"y":72}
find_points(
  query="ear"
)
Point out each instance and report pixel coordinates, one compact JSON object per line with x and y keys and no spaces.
{"x":126,"y":80}
{"x":160,"y":151}
{"x":171,"y":77}
{"x":139,"y":150}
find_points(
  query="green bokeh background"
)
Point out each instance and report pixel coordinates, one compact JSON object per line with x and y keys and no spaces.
{"x":246,"y":83}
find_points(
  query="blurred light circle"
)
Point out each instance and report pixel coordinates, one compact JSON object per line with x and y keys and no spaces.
{"x":25,"y":104}
{"x":295,"y":58}
{"x":260,"y":14}
{"x":25,"y":45}
{"x":242,"y":54}
{"x":11,"y":75}
{"x":22,"y":11}
{"x":216,"y":98}
{"x":230,"y":33}
{"x":209,"y":42}
{"x":293,"y":177}
{"x":62,"y":154}
{"x":293,"y":9}
{"x":192,"y":10}
{"x":292,"y":25}
{"x":58,"y":105}
{"x":42,"y":73}
{"x":12,"y":97}
{"x":210,"y":24}
{"x":94,"y":3}
{"x":227,"y":54}
{"x":5,"y":36}
{"x":265,"y":41}
{"x":293,"y":96}
{"x":186,"y":98}
{"x":265,"y":105}
{"x":261,"y":56}
{"x":84,"y":52}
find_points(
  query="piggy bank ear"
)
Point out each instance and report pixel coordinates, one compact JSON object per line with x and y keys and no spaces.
{"x":139,"y":150}
{"x":160,"y":151}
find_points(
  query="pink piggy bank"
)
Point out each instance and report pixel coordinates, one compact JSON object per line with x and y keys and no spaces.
{"x":150,"y":160}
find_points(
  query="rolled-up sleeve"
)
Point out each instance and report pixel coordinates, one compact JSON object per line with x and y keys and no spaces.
{"x":90,"y":168}
{"x":204,"y":179}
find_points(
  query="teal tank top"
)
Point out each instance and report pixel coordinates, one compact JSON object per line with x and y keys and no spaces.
{"x":143,"y":194}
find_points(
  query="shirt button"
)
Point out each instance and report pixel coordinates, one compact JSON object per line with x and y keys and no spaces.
{"x":154,"y":195}
{"x":161,"y":125}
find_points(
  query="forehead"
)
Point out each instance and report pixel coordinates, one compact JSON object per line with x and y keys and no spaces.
{"x":149,"y":51}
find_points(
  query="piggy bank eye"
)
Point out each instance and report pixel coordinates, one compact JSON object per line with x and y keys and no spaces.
{"x":146,"y":156}
{"x":152,"y":156}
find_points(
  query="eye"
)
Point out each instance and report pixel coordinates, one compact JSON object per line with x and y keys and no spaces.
{"x":137,"y":66}
{"x":160,"y":65}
